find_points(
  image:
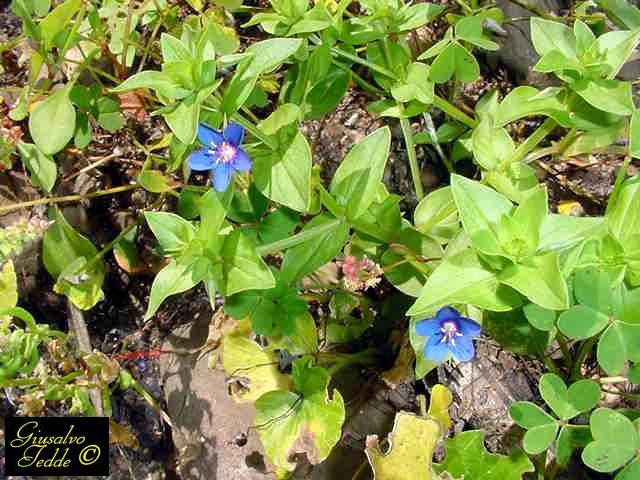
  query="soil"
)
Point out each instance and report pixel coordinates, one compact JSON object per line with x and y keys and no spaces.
{"x":208,"y":437}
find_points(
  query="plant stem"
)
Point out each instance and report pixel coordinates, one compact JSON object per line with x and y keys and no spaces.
{"x":413,"y":159}
{"x":296,"y":239}
{"x":535,"y":9}
{"x":530,"y":143}
{"x":431,"y":131}
{"x":364,"y":63}
{"x":68,"y":198}
{"x":565,"y":350}
{"x":453,"y":111}
{"x":584,"y":352}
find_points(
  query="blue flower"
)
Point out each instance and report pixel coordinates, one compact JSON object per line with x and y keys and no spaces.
{"x":449,"y":333}
{"x":221,"y":154}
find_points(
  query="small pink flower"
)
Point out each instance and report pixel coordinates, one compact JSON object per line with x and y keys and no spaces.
{"x":360,"y":274}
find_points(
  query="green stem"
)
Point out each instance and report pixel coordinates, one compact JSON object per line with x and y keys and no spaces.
{"x":359,"y":80}
{"x":530,"y":143}
{"x":453,"y":111}
{"x":296,"y":239}
{"x":365,"y":63}
{"x":535,"y":9}
{"x":433,"y":135}
{"x":565,"y":350}
{"x":584,"y":352}
{"x":413,"y":159}
{"x":67,"y":198}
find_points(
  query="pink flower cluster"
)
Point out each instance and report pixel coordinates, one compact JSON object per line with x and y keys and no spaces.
{"x":359,"y":275}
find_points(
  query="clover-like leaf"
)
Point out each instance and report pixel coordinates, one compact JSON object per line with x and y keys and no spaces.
{"x":541,"y":427}
{"x":615,"y":441}
{"x":568,"y":402}
{"x":412,"y":442}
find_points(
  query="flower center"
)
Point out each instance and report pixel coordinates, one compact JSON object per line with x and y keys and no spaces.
{"x":225,"y":152}
{"x":449,"y":330}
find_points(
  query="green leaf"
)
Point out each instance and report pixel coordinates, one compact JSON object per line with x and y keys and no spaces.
{"x":559,"y":232}
{"x":411,"y":442}
{"x":173,"y":49}
{"x":622,"y":12}
{"x":612,"y":96}
{"x":262,"y":57}
{"x":53,"y":122}
{"x":527,"y":101}
{"x":581,"y":321}
{"x":284,"y":176}
{"x":462,"y":278}
{"x":619,"y":342}
{"x":592,"y":287}
{"x":173,"y":232}
{"x":540,"y":280}
{"x":437,"y":215}
{"x":183,"y":120}
{"x":623,"y":214}
{"x":529,"y":415}
{"x":538,"y":439}
{"x":480,"y":208}
{"x":418,"y":14}
{"x":470,"y":29}
{"x":355,"y":183}
{"x":490,"y":145}
{"x":614,"y":49}
{"x":56,"y":21}
{"x":82,"y":136}
{"x":177,"y":277}
{"x":158,"y":81}
{"x":317,"y":250}
{"x":284,"y":115}
{"x":454,"y":60}
{"x":615,"y":441}
{"x":42,"y":167}
{"x":415,"y":86}
{"x":539,"y":317}
{"x":467,"y":457}
{"x":65,"y":254}
{"x":548,"y":35}
{"x":634,"y":135}
{"x":243,"y":269}
{"x":307,"y":422}
{"x":571,"y":438}
{"x":568,"y":402}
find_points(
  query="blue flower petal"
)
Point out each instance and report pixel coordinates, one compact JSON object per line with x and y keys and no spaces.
{"x":208,"y":136}
{"x":469,"y":328}
{"x":447,"y":313}
{"x":463,"y":350}
{"x":242,"y":162}
{"x":221,"y":177}
{"x":201,"y":159}
{"x":436,"y":350}
{"x":428,"y":327}
{"x":234,"y":134}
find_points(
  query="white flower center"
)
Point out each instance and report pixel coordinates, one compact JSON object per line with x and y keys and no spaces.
{"x":225,"y":152}
{"x":449,"y":332}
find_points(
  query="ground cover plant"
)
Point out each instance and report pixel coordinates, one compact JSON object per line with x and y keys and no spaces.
{"x":186,"y":128}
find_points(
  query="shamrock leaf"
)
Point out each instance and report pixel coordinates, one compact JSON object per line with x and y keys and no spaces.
{"x":615,"y":441}
{"x":566,"y":402}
